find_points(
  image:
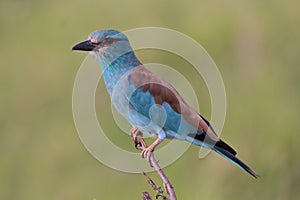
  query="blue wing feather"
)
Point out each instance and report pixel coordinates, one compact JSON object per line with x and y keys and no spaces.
{"x":174,"y":125}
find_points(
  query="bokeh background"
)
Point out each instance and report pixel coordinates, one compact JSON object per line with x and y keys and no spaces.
{"x":255,"y":45}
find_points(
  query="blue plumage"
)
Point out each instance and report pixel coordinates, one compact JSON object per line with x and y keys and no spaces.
{"x":148,"y":102}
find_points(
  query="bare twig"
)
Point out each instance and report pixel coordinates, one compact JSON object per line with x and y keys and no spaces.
{"x":160,"y":192}
{"x":146,"y":196}
{"x":141,"y":145}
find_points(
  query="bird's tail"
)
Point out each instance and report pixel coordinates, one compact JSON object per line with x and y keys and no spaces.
{"x":221,"y":148}
{"x":226,"y":151}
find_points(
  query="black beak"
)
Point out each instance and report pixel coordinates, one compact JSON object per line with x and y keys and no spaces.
{"x":85,"y":46}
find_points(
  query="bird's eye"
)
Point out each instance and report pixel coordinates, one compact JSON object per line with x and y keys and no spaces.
{"x":109,"y":40}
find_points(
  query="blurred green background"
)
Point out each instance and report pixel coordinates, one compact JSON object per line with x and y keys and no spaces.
{"x":255,"y":45}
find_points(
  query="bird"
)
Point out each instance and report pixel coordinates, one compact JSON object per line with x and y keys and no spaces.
{"x":148,"y":102}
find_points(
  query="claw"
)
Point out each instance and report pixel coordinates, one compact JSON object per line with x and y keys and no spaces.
{"x":137,"y":138}
{"x":147,"y":152}
{"x":135,"y":133}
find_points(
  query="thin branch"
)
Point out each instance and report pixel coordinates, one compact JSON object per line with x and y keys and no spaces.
{"x":146,"y":196}
{"x":141,"y":145}
{"x":160,"y":192}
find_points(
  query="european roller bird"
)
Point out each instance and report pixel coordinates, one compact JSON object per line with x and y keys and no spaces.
{"x":149,"y":103}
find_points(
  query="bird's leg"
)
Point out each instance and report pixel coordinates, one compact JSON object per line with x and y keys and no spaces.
{"x":146,"y":152}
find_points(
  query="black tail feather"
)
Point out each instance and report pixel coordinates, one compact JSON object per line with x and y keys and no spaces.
{"x":225,"y":150}
{"x":206,"y":139}
{"x":225,"y":146}
{"x":236,"y":161}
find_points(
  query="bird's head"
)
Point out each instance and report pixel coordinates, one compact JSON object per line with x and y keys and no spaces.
{"x":105,"y":42}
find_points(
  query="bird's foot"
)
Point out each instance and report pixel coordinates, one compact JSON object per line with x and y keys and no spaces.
{"x":136,"y":134}
{"x":147,"y":152}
